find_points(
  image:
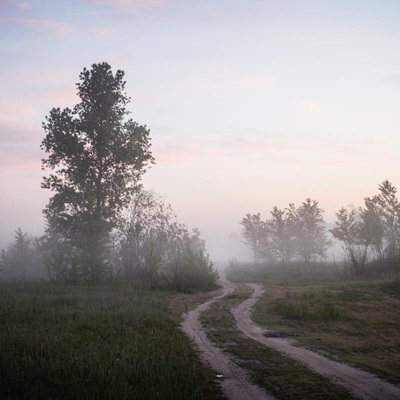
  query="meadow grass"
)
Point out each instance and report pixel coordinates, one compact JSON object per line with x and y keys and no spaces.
{"x":357,"y":325}
{"x":353,"y":319}
{"x":95,"y":342}
{"x":282,"y":376}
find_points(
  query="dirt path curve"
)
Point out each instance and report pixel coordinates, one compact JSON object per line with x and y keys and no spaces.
{"x":362,"y":384}
{"x":234,"y":380}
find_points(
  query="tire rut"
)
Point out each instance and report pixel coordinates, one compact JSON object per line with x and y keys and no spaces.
{"x":234,"y":379}
{"x":363,"y":385}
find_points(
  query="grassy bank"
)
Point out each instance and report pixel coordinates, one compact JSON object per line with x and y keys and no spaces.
{"x":102,"y":342}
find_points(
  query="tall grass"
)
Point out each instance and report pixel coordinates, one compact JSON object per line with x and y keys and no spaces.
{"x":104,"y":342}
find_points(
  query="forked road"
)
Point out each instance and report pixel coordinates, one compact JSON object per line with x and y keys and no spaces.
{"x":235,"y":381}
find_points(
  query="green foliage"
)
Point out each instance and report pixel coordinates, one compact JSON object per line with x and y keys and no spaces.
{"x":370,"y":232}
{"x":97,"y":342}
{"x":280,"y":232}
{"x":191,"y":268}
{"x":153,"y":246}
{"x":350,"y":230}
{"x":291,"y":233}
{"x":310,"y":232}
{"x":22,"y":259}
{"x":253,"y":233}
{"x":97,"y":157}
{"x":388,"y":208}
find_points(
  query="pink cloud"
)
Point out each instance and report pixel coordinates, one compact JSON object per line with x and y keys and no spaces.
{"x":60,"y":28}
{"x":173,"y":148}
{"x":131,"y":3}
{"x":309,"y":106}
{"x":250,"y":81}
{"x":102,"y":33}
{"x":24,"y":6}
{"x":13,"y":130}
{"x":353,"y":144}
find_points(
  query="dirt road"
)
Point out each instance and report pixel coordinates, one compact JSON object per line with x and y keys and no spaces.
{"x":362,"y":384}
{"x":234,"y":380}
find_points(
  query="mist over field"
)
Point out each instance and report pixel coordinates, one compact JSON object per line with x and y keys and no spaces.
{"x":199,"y":199}
{"x":249,"y":106}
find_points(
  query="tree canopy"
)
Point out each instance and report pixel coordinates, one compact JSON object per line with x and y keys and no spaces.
{"x":97,"y":157}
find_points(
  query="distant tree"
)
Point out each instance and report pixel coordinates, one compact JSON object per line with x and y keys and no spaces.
{"x":190,"y":268}
{"x":253,"y":233}
{"x":97,"y":156}
{"x":351,"y":228}
{"x":154,"y":247}
{"x":281,"y":232}
{"x":373,"y":226}
{"x":145,"y":243}
{"x":388,"y":207}
{"x":21,"y":259}
{"x":310,"y":230}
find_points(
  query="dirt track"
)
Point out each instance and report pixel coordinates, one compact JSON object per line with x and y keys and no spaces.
{"x":234,"y":380}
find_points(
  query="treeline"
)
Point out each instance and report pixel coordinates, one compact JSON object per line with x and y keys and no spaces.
{"x":150,"y":245}
{"x":100,"y":223}
{"x":367,"y":233}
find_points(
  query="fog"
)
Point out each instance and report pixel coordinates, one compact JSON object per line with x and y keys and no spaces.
{"x":250,"y":104}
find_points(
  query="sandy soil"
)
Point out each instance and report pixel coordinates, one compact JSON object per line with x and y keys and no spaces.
{"x":234,"y":379}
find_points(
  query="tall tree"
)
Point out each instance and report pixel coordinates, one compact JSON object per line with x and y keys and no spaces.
{"x":351,"y":228}
{"x":373,"y":226}
{"x":311,"y":240}
{"x":21,"y":258}
{"x":97,"y":157}
{"x":253,"y":233}
{"x":280,"y":230}
{"x":389,"y":209}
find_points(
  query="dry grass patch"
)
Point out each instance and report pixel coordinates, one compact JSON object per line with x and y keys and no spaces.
{"x":284,"y":377}
{"x":355,"y":326}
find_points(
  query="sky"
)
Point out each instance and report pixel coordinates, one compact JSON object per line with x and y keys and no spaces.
{"x":251,"y":104}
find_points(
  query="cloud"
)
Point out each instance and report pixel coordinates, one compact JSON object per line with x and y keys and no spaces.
{"x":135,"y":4}
{"x":187,"y":146}
{"x":176,"y":147}
{"x":102,"y":33}
{"x":309,"y":106}
{"x":250,"y":81}
{"x":15,"y":130}
{"x":352,"y":144}
{"x":391,"y":78}
{"x":24,"y":6}
{"x":57,"y":27}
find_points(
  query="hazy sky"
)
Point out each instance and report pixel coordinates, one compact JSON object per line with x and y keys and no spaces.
{"x":250,"y":103}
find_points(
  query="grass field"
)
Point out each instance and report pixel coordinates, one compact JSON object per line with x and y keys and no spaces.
{"x":354,"y":319}
{"x":282,"y":376}
{"x":99,"y":342}
{"x":357,"y":325}
{"x":123,"y":341}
